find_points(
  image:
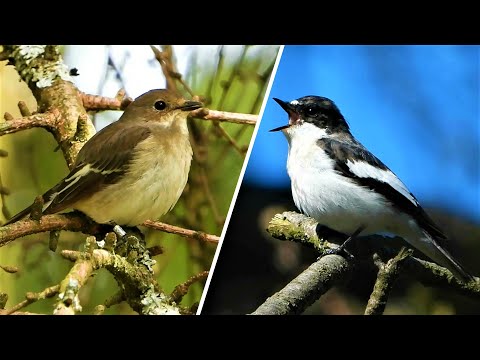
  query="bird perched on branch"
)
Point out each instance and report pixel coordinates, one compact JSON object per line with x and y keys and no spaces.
{"x":134,"y":169}
{"x":343,"y":186}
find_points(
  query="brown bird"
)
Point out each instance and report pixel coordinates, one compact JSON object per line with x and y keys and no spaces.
{"x":134,"y":169}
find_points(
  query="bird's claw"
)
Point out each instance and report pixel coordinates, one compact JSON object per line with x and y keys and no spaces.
{"x":338,"y":251}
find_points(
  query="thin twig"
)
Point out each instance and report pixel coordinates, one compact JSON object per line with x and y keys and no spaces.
{"x":164,"y":59}
{"x":115,"y":299}
{"x":224,"y":116}
{"x":33,"y":297}
{"x":9,"y":269}
{"x":209,"y":195}
{"x":181,"y":231}
{"x":387,"y":274}
{"x":45,"y":120}
{"x":98,"y":103}
{"x":181,"y":290}
{"x":229,"y":139}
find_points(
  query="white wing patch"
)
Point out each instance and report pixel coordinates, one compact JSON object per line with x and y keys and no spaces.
{"x":72,"y":180}
{"x":365,"y":170}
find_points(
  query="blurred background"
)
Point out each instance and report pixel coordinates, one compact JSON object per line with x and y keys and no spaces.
{"x":417,"y":109}
{"x":230,"y":78}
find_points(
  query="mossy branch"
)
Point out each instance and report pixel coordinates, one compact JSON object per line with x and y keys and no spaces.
{"x":292,"y":226}
{"x":387,"y":274}
{"x":59,"y":101}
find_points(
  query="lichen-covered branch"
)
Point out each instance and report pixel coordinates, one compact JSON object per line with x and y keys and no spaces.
{"x":296,"y":227}
{"x":42,"y":68}
{"x":131,"y":267}
{"x":307,"y":287}
{"x":387,"y":274}
{"x":199,"y":235}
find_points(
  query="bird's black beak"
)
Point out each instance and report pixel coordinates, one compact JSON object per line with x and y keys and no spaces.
{"x":190,"y":105}
{"x":289,"y":108}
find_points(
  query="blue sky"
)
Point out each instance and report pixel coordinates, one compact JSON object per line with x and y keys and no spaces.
{"x":415,"y":107}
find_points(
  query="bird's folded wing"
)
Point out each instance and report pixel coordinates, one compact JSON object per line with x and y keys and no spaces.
{"x":352,"y":160}
{"x":102,"y":161}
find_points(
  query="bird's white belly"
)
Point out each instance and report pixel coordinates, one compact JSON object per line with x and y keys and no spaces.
{"x":150,"y":190}
{"x":334,"y":201}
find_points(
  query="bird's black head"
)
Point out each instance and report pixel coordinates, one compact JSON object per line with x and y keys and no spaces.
{"x":317,"y":110}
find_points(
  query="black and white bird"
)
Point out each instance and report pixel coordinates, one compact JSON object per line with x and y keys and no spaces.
{"x":342,"y":185}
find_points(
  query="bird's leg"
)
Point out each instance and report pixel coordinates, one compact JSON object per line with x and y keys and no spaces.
{"x":342,"y":248}
{"x":118,"y":230}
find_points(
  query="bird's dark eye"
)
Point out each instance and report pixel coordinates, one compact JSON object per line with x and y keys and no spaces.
{"x":312,"y":111}
{"x":160,"y":105}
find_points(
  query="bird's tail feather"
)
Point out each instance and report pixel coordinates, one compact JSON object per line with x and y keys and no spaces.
{"x":430,"y":248}
{"x":19,"y":216}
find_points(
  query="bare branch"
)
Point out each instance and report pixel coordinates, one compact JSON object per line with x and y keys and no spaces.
{"x":99,"y":103}
{"x":116,"y":298}
{"x":165,"y":60}
{"x":9,"y":269}
{"x":387,"y":274}
{"x":229,"y":139}
{"x":224,"y":116}
{"x":307,"y":287}
{"x":45,"y":120}
{"x":33,"y":297}
{"x":181,"y":231}
{"x":70,"y":222}
{"x":181,"y":290}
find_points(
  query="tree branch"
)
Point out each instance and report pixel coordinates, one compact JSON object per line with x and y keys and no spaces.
{"x":45,"y":120}
{"x":42,"y":68}
{"x":33,"y":297}
{"x":69,"y":222}
{"x":98,"y":103}
{"x":296,"y":227}
{"x":224,"y":116}
{"x":181,"y":290}
{"x":306,"y":288}
{"x":387,"y":274}
{"x":133,"y":273}
{"x":181,"y":231}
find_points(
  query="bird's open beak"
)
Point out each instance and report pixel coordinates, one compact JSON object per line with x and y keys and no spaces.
{"x":190,"y":105}
{"x":292,"y":114}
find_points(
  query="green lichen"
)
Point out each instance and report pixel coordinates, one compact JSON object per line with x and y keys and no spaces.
{"x":157,"y":304}
{"x":283,"y":229}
